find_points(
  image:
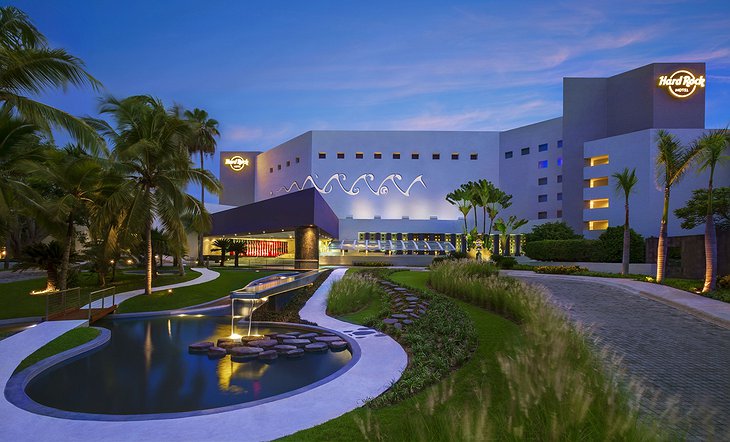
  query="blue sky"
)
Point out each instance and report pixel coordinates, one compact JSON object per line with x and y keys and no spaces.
{"x":270,"y":70}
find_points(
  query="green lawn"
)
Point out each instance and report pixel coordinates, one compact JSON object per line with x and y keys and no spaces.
{"x":70,"y":339}
{"x":16,"y":302}
{"x":401,"y":421}
{"x":373,"y":307}
{"x":228,"y":280}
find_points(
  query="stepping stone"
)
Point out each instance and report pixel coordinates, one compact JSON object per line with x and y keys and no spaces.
{"x":286,"y":336}
{"x":421,"y":312}
{"x":414,"y":315}
{"x":264,"y":343}
{"x":412,"y":299}
{"x":216,"y":352}
{"x":363,"y":333}
{"x":298,"y":353}
{"x":297,"y":342}
{"x":338,"y":345}
{"x":283,"y":348}
{"x":390,"y":321}
{"x":330,"y":338}
{"x":316,"y":347}
{"x":408,"y":310}
{"x":407,"y":322}
{"x":332,"y":334}
{"x":399,"y":316}
{"x":308,"y":335}
{"x":228,"y":341}
{"x":268,"y":355}
{"x":295,"y":334}
{"x":398,"y":325}
{"x":242,"y":354}
{"x":200,"y":347}
{"x":401,"y":289}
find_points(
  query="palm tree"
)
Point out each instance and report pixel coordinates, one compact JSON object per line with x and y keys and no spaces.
{"x":224,"y":245}
{"x":460,"y":199}
{"x":672,"y":161}
{"x":497,"y":201}
{"x":43,"y":256}
{"x":29,"y":67}
{"x":625,"y":181}
{"x":202,"y":141}
{"x":151,"y":154}
{"x":711,"y":150}
{"x":237,"y":247}
{"x":507,"y":227}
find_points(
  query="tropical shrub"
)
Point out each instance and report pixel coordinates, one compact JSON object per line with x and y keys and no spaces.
{"x":504,"y":262}
{"x":723,"y":282}
{"x":559,"y":270}
{"x":570,"y":250}
{"x":352,"y":293}
{"x":551,"y":231}
{"x":611,"y":244}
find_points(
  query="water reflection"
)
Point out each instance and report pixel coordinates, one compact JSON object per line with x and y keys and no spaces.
{"x":146,"y":368}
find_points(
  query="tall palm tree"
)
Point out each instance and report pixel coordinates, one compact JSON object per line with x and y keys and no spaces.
{"x":498,"y":200}
{"x":224,"y":245}
{"x":202,"y":141}
{"x":672,"y":162}
{"x":625,"y":182}
{"x":507,"y":227}
{"x":151,"y":154}
{"x":237,"y":247}
{"x":472,"y":195}
{"x":28,"y":66}
{"x":711,"y":150}
{"x":460,"y":199}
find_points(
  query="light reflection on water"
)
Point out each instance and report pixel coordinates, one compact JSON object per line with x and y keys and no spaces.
{"x":146,"y":368}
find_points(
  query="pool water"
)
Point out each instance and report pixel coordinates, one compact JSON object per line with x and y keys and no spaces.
{"x":146,"y":368}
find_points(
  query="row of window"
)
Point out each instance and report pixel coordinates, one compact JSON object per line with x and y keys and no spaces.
{"x":544,"y":214}
{"x":526,"y":150}
{"x":288,"y":164}
{"x":543,"y":198}
{"x":544,"y":163}
{"x":396,"y":156}
{"x":542,"y":181}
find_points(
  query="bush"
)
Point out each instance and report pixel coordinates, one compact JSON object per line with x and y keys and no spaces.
{"x":551,"y":231}
{"x":352,"y":293}
{"x":467,"y":267}
{"x":371,"y":264}
{"x":559,"y":270}
{"x":723,"y":282}
{"x":451,"y":255}
{"x":570,"y":250}
{"x":612,"y":244}
{"x":504,"y":262}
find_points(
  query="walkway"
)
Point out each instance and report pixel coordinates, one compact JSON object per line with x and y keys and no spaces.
{"x":668,"y":349}
{"x":381,"y":363}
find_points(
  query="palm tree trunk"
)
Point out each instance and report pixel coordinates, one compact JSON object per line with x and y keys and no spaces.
{"x":6,"y":264}
{"x":484,"y":220}
{"x":202,"y":202}
{"x":150,"y":259}
{"x":627,"y":242}
{"x":476,"y":223}
{"x":661,"y":253}
{"x":63,"y":271}
{"x":710,"y":243}
{"x":180,"y":266}
{"x":223,"y":256}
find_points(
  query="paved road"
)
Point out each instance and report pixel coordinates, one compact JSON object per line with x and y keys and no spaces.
{"x":672,"y":351}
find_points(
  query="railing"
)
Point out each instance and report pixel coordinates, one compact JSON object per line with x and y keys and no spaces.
{"x":62,"y":303}
{"x":101,"y":294}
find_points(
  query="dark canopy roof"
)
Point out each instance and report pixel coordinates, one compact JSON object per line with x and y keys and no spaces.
{"x":287,"y":212}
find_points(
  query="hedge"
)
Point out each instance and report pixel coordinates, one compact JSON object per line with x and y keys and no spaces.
{"x":570,"y":250}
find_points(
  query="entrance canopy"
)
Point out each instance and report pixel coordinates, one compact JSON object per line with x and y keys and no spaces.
{"x":284,"y":213}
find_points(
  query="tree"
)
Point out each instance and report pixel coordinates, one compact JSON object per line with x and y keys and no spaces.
{"x":611,"y":246}
{"x":694,"y":213}
{"x":711,"y":150}
{"x":202,"y":141}
{"x":460,"y":199}
{"x":497,"y":200}
{"x":237,"y":247}
{"x":556,"y":230}
{"x":223,"y":244}
{"x":625,"y":182}
{"x":28,"y":66}
{"x":150,"y":152}
{"x":43,"y":256}
{"x":672,"y":162}
{"x":507,"y":227}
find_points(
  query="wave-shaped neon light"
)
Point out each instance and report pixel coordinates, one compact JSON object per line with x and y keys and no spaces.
{"x":381,"y":190}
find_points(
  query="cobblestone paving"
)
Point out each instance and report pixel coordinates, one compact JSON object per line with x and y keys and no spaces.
{"x":669,"y":350}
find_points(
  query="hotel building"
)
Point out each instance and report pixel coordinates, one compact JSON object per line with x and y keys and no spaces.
{"x":384,"y":191}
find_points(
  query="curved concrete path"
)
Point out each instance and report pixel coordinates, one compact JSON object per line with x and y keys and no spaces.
{"x":381,"y":363}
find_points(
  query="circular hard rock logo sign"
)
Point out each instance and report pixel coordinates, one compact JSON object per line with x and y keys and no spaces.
{"x":237,"y":162}
{"x":682,"y":83}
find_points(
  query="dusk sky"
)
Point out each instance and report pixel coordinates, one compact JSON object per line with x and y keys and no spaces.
{"x":270,"y":70}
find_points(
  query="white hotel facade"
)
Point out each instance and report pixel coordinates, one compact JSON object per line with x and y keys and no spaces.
{"x":392,"y":184}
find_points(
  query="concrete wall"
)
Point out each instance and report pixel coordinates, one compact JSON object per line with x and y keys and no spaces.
{"x":278,"y":168}
{"x":238,"y":186}
{"x":395,"y":260}
{"x":692,"y":255}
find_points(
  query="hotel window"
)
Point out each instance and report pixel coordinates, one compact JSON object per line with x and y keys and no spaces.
{"x":278,"y":167}
{"x":288,"y":163}
{"x":542,"y":198}
{"x":599,"y":203}
{"x":414,"y":156}
{"x":542,"y":148}
{"x":542,"y":164}
{"x":559,"y":179}
{"x":271,"y":170}
{"x":542,"y":181}
{"x":560,"y":213}
{"x":340,"y":155}
{"x":436,"y":156}
{"x":598,"y":182}
{"x":474,"y":157}
{"x":560,"y":144}
{"x":508,"y":155}
{"x":396,"y":155}
{"x":322,"y":155}
{"x":559,"y":196}
{"x":541,"y":215}
{"x":296,"y":160}
{"x":597,"y":161}
{"x":560,"y":161}
{"x":359,"y":155}
{"x":599,"y":224}
{"x":525,"y":151}
{"x":454,"y":156}
{"x":378,"y":155}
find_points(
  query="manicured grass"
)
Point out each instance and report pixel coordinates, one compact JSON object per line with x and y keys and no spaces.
{"x":370,"y":310}
{"x":70,"y":339}
{"x":352,"y":293}
{"x":193,"y":295}
{"x":401,"y":421}
{"x":16,"y":302}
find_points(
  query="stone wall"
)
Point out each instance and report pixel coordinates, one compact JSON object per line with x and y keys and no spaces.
{"x":687,"y":255}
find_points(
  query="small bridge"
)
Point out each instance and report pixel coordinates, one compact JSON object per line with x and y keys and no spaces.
{"x":62,"y":305}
